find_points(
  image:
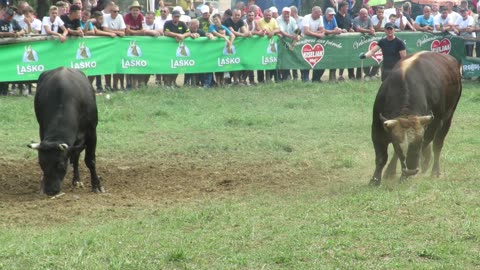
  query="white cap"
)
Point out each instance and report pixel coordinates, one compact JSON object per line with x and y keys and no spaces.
{"x":330,"y":11}
{"x":273,"y":10}
{"x":205,"y":8}
{"x":179,"y":9}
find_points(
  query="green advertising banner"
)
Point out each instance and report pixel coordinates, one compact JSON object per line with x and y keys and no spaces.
{"x":163,"y":55}
{"x":471,"y":67}
{"x":136,"y":55}
{"x":341,"y":51}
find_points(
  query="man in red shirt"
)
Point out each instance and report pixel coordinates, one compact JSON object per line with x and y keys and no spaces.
{"x":134,"y":23}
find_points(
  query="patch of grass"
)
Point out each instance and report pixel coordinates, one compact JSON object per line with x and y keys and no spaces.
{"x":316,"y":141}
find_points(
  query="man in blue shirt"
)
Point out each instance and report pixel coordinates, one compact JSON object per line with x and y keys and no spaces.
{"x":425,"y":22}
{"x":331,"y":28}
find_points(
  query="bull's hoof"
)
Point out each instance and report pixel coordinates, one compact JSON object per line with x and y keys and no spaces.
{"x":98,"y":189}
{"x":374,"y":182}
{"x":78,"y":184}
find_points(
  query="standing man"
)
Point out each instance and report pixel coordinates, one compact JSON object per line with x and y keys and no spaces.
{"x":72,"y":21}
{"x":114,"y":23}
{"x":288,"y":28}
{"x":425,"y":22}
{"x":178,"y":30}
{"x":363,"y":24}
{"x":134,"y":27}
{"x":344,"y":22}
{"x":270,"y":27}
{"x":393,"y":50}
{"x":313,"y":27}
{"x":331,"y":28}
{"x":236,"y":25}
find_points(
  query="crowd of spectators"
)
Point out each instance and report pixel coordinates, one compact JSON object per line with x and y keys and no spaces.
{"x":246,"y":19}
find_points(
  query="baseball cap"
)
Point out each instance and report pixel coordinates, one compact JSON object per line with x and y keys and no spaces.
{"x":179,"y":9}
{"x":389,"y":25}
{"x":286,"y":9}
{"x":205,"y":9}
{"x":463,"y":10}
{"x":273,"y":10}
{"x":330,"y":11}
{"x":10,"y":12}
{"x":176,"y":13}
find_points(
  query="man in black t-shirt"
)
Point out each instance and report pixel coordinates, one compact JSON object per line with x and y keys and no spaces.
{"x":239,"y":29}
{"x":176,"y":29}
{"x":393,"y":49}
{"x":72,"y":21}
{"x":344,"y":22}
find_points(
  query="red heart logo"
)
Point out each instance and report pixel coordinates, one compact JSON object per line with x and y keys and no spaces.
{"x":443,"y":46}
{"x":378,"y":56}
{"x":312,"y":55}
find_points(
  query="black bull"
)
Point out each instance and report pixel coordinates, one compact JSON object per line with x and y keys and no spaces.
{"x":414,"y":106}
{"x":66,"y":112}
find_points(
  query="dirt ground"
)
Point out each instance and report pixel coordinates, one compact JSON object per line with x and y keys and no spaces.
{"x":141,"y":184}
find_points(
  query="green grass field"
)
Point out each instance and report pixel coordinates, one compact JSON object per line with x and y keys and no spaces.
{"x":267,"y":177}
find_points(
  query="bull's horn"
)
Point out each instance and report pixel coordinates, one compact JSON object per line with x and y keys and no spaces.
{"x":383,"y":118}
{"x":425,"y":120}
{"x":63,"y":146}
{"x":389,"y":124}
{"x":34,"y":146}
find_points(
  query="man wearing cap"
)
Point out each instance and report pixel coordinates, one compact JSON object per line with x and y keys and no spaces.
{"x":134,"y":20}
{"x":331,"y":28}
{"x":178,"y":30}
{"x":425,"y":22}
{"x":288,"y":28}
{"x":9,"y":27}
{"x":270,"y":27}
{"x":464,"y":27}
{"x":205,"y":19}
{"x":184,"y":18}
{"x":274,"y":11}
{"x":393,"y":50}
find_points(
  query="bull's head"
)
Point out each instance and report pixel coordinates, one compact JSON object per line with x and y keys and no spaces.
{"x":53,"y":159}
{"x":407,"y":137}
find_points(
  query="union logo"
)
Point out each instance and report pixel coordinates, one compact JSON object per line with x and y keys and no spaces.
{"x":312,"y":55}
{"x":443,"y":46}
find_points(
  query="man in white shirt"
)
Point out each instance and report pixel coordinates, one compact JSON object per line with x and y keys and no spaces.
{"x":464,"y":27}
{"x":30,"y":24}
{"x":378,"y":20}
{"x":443,"y":21}
{"x":114,"y":22}
{"x":313,"y":27}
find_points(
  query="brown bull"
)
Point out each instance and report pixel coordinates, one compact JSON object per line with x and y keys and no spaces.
{"x":414,"y":106}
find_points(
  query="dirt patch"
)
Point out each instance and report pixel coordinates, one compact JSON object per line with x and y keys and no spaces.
{"x":138,"y":184}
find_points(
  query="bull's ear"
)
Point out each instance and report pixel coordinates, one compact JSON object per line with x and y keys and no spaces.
{"x":63,"y":146}
{"x":390,"y":124}
{"x":425,"y":120}
{"x":35,"y":146}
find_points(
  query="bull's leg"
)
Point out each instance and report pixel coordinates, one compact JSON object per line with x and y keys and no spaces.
{"x":381,"y":157}
{"x":426,"y":157}
{"x":438,"y":145}
{"x":74,"y":157}
{"x":91,"y":144}
{"x":426,"y":145}
{"x":392,"y":167}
